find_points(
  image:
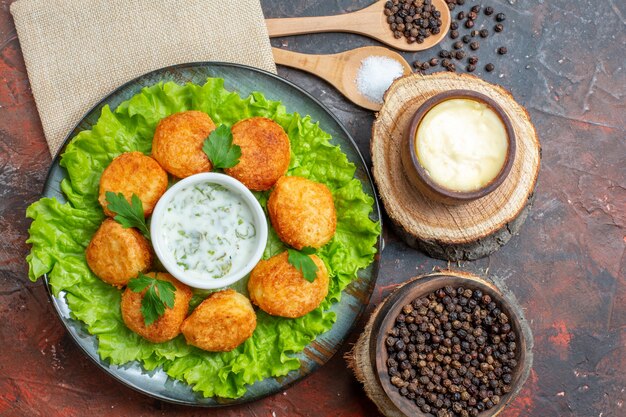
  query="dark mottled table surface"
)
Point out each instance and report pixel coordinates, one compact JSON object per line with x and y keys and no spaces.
{"x":567,"y":268}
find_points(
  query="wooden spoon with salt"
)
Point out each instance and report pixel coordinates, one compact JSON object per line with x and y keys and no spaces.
{"x":342,"y":69}
{"x":370,"y":21}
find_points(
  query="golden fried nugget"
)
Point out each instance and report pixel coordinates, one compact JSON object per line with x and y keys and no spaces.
{"x":279,"y":289}
{"x":265,"y":153}
{"x":116,"y":254}
{"x":302,"y":212}
{"x":165,"y":327}
{"x":178,"y":140}
{"x":221,"y":322}
{"x":133,"y":173}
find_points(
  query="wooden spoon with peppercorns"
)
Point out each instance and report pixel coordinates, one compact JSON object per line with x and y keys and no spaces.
{"x":411,"y":24}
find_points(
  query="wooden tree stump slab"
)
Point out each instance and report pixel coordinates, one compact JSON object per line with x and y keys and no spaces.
{"x":362,"y":358}
{"x":452,"y":232}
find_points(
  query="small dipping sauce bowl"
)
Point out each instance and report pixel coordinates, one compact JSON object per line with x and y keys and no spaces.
{"x":208,"y":230}
{"x":459,"y":147}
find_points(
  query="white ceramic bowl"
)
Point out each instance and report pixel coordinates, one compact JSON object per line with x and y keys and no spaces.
{"x":167,"y":258}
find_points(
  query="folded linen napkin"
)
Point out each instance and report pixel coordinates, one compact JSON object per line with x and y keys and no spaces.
{"x":77,"y":51}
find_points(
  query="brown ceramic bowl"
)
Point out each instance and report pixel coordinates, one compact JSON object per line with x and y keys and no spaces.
{"x":392,"y":306}
{"x":420,"y":178}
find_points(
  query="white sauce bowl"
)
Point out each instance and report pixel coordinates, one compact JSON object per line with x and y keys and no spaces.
{"x":167,"y":257}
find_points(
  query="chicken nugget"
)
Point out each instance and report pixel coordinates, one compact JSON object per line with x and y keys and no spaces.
{"x":165,"y":327}
{"x":178,"y":140}
{"x":265,"y":153}
{"x":302,"y":212}
{"x":133,"y":173}
{"x":280,"y":289}
{"x":221,"y":322}
{"x":116,"y":254}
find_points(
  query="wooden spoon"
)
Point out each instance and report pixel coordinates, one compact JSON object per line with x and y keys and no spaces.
{"x":370,"y":21}
{"x":341,"y":69}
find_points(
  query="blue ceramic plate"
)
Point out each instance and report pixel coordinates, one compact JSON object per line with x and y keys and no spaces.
{"x":243,"y":80}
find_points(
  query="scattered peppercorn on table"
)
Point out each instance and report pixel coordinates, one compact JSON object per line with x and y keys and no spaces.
{"x":562,"y":60}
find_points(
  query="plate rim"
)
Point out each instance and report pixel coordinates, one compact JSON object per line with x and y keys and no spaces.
{"x":376,"y":210}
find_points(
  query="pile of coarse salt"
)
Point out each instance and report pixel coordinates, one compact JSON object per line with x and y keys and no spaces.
{"x":376,"y":75}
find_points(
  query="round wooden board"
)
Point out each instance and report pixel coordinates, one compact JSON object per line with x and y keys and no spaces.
{"x":460,"y":232}
{"x":362,"y":356}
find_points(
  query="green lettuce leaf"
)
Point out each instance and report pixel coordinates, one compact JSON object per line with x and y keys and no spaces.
{"x":60,"y":233}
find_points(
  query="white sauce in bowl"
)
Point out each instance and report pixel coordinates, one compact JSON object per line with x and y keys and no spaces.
{"x":209,"y":230}
{"x":462,"y":144}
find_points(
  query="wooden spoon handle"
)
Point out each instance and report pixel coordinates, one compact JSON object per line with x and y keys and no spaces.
{"x":301,"y":25}
{"x":318,"y":65}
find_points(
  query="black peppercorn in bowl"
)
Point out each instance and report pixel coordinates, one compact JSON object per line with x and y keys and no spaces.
{"x":447,"y":345}
{"x":414,"y":160}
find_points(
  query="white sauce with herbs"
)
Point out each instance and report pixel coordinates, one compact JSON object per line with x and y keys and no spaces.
{"x":209,"y":230}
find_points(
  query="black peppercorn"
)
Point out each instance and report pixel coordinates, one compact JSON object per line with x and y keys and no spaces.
{"x":466,"y":38}
{"x":458,"y":45}
{"x":489,"y":67}
{"x":498,"y":28}
{"x":459,"y":55}
{"x":474,"y":45}
{"x":500,"y":17}
{"x":483,"y":34}
{"x":451,"y":361}
{"x":472,"y":15}
{"x":502,"y":50}
{"x":488,"y":10}
{"x":475,"y":8}
{"x":403,"y":16}
{"x":469,"y":24}
{"x":454,"y":34}
{"x":461,"y":16}
{"x":454,"y":26}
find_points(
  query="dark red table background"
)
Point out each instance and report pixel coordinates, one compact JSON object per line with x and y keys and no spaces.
{"x":567,"y":267}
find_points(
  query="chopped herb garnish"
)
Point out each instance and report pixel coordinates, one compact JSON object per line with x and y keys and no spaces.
{"x":220,"y":149}
{"x":159,"y":295}
{"x":128,"y":214}
{"x":303,"y":262}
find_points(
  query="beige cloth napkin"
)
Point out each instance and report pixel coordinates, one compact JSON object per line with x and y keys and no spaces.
{"x":77,"y":51}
